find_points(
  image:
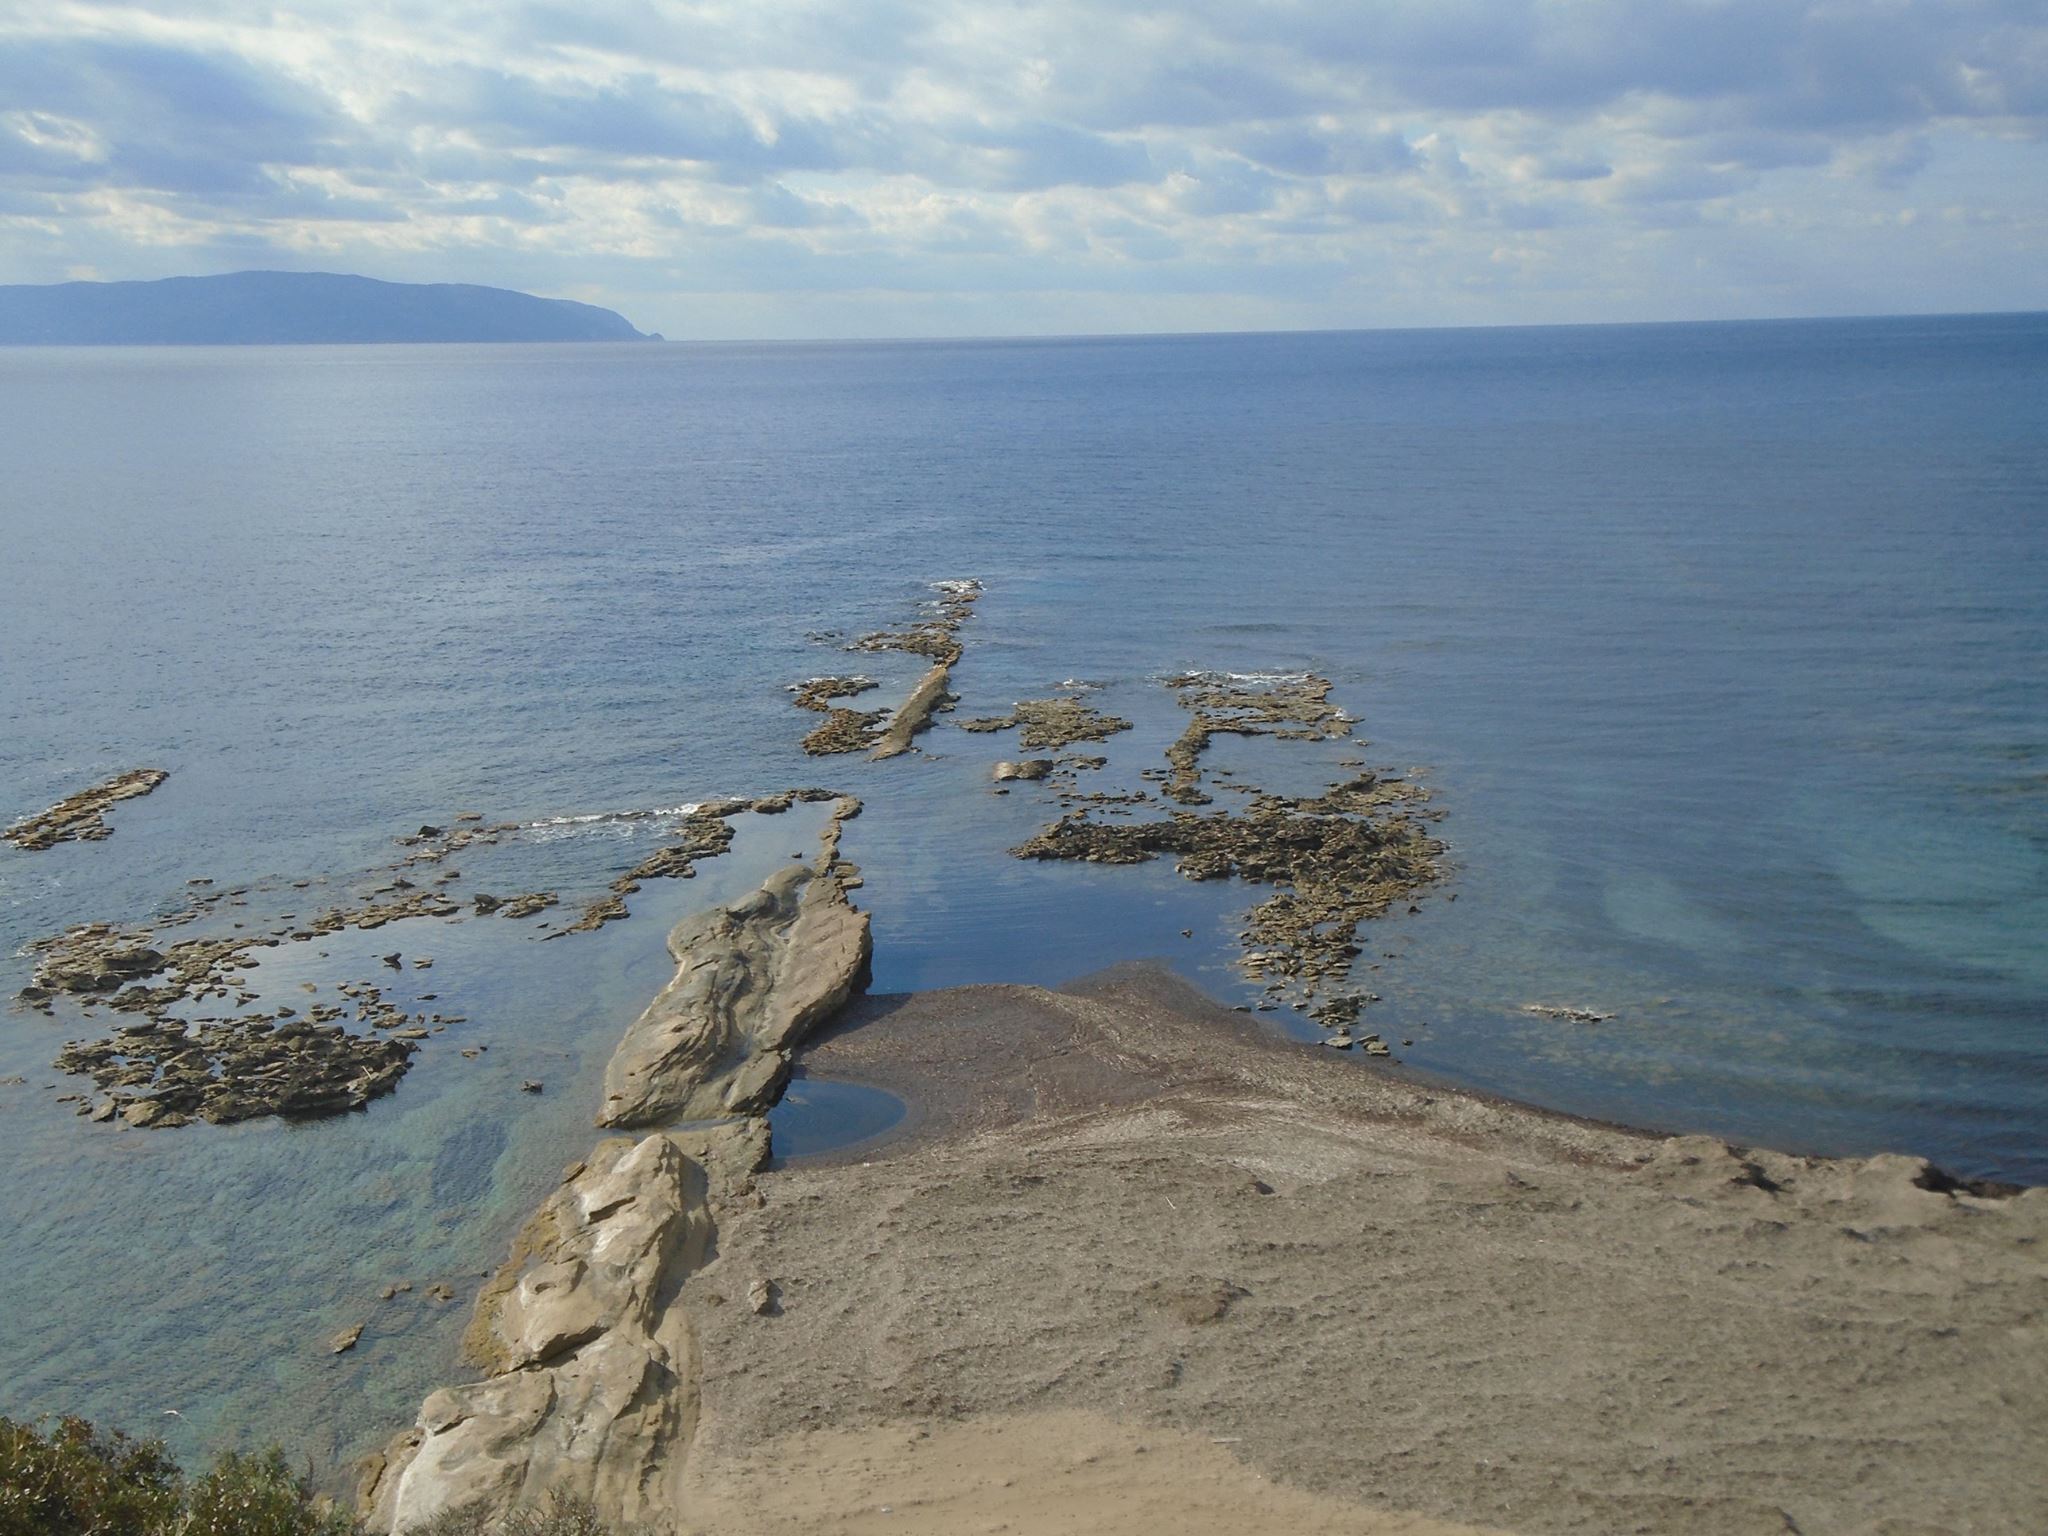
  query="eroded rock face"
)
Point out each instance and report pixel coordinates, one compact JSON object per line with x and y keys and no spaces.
{"x":82,"y":817}
{"x":752,"y":980}
{"x":592,"y":1392}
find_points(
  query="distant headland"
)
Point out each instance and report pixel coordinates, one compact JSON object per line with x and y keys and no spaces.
{"x":280,"y":308}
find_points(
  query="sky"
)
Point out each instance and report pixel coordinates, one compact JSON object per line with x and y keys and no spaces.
{"x":845,"y":168}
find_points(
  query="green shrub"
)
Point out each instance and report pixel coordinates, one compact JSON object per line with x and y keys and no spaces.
{"x":75,"y":1480}
{"x":259,"y":1496}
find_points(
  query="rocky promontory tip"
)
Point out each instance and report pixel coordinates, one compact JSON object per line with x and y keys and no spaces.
{"x":82,"y":817}
{"x":592,"y":1386}
{"x":752,"y":980}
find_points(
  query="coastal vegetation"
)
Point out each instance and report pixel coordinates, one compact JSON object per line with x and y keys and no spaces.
{"x":69,"y":1477}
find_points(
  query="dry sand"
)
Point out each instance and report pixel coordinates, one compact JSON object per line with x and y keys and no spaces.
{"x":1323,"y":1298}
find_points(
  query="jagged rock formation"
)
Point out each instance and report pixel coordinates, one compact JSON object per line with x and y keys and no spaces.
{"x":592,"y":1392}
{"x":752,"y":980}
{"x":82,"y":817}
{"x":592,"y":1386}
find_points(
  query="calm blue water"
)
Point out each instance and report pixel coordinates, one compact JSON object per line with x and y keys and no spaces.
{"x":1724,"y":647}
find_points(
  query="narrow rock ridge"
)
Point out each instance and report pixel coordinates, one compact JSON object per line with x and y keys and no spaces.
{"x":593,"y":1387}
{"x":592,"y":1391}
{"x":934,"y":635}
{"x":82,"y":817}
{"x":916,"y":713}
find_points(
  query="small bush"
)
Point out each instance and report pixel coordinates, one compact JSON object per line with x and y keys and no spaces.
{"x":259,"y":1496}
{"x":75,"y":1480}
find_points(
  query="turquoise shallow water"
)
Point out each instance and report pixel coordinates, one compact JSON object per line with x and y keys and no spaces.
{"x":1725,"y":649}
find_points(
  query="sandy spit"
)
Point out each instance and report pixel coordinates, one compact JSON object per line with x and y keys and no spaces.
{"x":1326,"y":1299}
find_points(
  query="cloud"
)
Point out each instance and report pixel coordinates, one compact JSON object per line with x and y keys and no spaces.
{"x":1482,"y":159}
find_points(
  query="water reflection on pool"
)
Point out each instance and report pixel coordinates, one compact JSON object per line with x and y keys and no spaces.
{"x":826,"y":1115}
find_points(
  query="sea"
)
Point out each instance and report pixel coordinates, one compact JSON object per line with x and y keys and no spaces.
{"x":1722,"y":650}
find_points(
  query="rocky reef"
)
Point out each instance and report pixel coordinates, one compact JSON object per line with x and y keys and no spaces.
{"x":177,"y":1064}
{"x":1335,"y":860}
{"x":842,"y":730}
{"x":82,"y":817}
{"x":1338,"y":860}
{"x":1293,"y":707}
{"x":1049,"y":724}
{"x":161,"y":1075}
{"x":935,"y":635}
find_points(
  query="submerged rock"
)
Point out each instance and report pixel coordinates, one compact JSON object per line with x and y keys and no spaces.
{"x":82,"y":817}
{"x":752,"y":980}
{"x":1567,"y":1015}
{"x":163,"y":1076}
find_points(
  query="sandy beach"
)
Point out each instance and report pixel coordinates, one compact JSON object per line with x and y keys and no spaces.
{"x":1133,"y":1264}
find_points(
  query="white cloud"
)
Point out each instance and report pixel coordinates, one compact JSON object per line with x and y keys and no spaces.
{"x":860,"y":165}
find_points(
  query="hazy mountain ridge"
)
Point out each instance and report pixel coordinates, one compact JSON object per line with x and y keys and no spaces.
{"x":276,"y":308}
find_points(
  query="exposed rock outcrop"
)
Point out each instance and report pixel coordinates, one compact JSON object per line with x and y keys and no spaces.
{"x":82,"y":817}
{"x":752,"y":980}
{"x":934,"y":636}
{"x":1032,"y":768}
{"x":592,"y":1393}
{"x":1052,"y":723}
{"x":916,"y":713}
{"x":592,"y":1387}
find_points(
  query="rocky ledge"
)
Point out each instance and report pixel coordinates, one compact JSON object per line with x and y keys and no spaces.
{"x":752,"y":980}
{"x":592,"y":1386}
{"x":592,"y":1391}
{"x":82,"y":817}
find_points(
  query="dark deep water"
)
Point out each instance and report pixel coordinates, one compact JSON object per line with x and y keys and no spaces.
{"x":1724,"y":647}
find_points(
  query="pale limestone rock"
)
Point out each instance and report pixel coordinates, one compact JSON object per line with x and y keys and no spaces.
{"x":752,"y":980}
{"x":592,"y":1392}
